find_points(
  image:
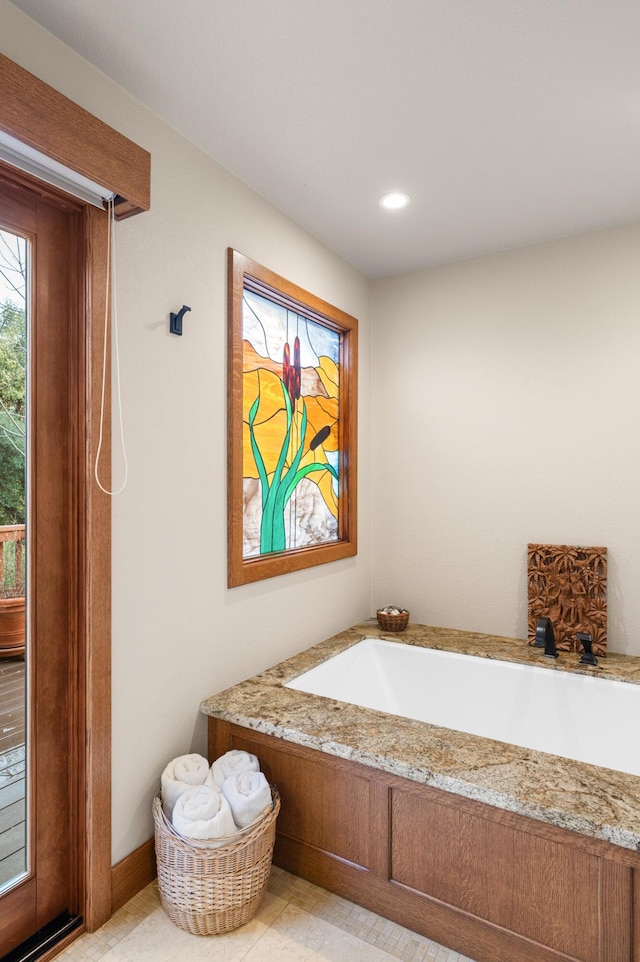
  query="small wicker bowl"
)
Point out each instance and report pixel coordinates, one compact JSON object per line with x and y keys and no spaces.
{"x":392,"y":622}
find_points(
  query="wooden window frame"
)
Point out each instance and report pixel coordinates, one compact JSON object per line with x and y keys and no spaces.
{"x":244,"y":273}
{"x":41,"y":117}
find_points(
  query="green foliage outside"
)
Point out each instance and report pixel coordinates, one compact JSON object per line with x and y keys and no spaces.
{"x":13,"y":355}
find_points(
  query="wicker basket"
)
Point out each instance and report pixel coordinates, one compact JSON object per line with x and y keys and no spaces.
{"x":392,"y":622}
{"x":208,"y":891}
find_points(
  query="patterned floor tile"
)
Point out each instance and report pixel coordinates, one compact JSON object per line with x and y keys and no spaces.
{"x":297,"y":921}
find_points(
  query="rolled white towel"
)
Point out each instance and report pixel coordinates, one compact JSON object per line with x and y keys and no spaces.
{"x":203,"y":813}
{"x":248,"y":795}
{"x":232,"y":763}
{"x":181,"y":773}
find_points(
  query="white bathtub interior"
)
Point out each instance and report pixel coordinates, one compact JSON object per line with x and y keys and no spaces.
{"x":582,"y":717}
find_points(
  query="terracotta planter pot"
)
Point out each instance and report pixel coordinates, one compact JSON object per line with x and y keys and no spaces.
{"x":12,"y":627}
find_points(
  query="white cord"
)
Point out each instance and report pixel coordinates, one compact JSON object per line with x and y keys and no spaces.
{"x":111,"y":282}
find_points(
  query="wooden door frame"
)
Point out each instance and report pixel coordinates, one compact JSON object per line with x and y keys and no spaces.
{"x":43,"y":118}
{"x":94,"y":508}
{"x":89,"y":528}
{"x":80,"y":537}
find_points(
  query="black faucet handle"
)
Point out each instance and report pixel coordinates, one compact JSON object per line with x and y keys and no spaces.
{"x":585,"y":639}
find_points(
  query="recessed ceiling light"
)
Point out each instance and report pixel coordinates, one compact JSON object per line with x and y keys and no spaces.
{"x":394,"y":201}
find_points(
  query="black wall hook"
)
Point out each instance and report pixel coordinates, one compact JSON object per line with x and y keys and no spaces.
{"x":175,"y":320}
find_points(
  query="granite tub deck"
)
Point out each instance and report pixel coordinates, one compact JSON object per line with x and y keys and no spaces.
{"x":595,"y":802}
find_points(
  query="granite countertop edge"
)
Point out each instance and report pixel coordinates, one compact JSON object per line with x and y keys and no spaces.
{"x":593,"y":801}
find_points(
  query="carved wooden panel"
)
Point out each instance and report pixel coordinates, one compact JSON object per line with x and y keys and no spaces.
{"x":568,"y":584}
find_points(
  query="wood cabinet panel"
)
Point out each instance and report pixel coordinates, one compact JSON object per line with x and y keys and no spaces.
{"x":439,"y":850}
{"x":540,"y":888}
{"x":614,"y":905}
{"x":635,"y":926}
{"x":327,"y":809}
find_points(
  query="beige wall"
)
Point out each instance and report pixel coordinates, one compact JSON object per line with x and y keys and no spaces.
{"x":506,"y":410}
{"x":178,"y":633}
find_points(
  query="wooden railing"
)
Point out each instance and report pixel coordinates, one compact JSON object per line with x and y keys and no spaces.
{"x":12,"y":559}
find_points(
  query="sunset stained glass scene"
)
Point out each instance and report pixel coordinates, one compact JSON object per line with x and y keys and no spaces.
{"x":291,"y":438}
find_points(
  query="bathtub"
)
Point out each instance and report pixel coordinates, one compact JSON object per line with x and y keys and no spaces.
{"x":454,"y":813}
{"x":533,"y":707}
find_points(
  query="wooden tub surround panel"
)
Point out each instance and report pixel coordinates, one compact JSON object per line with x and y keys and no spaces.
{"x":488,"y":883}
{"x":541,"y":888}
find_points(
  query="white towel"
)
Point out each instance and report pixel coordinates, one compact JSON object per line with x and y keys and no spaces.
{"x":181,"y":773}
{"x":203,"y":813}
{"x":232,"y":763}
{"x":248,"y":795}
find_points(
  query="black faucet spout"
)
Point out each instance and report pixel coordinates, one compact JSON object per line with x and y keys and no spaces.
{"x":545,"y":638}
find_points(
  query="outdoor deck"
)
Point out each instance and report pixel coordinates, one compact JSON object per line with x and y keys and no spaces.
{"x":12,"y":768}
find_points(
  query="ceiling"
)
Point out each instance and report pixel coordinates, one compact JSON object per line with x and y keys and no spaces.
{"x":507,"y":121}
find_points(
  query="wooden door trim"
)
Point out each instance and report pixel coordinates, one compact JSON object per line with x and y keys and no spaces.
{"x":95,"y":633}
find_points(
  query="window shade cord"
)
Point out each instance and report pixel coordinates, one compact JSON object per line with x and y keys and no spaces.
{"x":111,"y":285}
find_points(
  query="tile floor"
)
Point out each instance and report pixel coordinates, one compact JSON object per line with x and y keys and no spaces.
{"x":297,"y":922}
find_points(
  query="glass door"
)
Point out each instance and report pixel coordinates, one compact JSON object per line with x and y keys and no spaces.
{"x":14,"y":840}
{"x":40,"y":790}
